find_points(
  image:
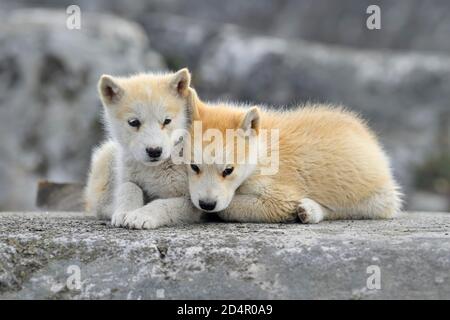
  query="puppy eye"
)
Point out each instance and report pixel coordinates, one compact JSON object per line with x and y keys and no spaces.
{"x":195,"y":168}
{"x":167,"y":121}
{"x":227,"y":171}
{"x":134,"y":123}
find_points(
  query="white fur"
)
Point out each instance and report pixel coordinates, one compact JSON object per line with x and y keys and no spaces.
{"x":123,"y":184}
{"x":165,"y":184}
{"x":310,"y":211}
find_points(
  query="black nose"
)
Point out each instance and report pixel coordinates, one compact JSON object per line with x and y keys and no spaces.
{"x":207,"y":205}
{"x":154,"y":152}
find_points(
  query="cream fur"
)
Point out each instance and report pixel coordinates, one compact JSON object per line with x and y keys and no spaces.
{"x":331,"y":167}
{"x":331,"y":164}
{"x":122,"y":181}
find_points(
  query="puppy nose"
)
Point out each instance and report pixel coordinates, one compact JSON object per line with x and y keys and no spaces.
{"x":154,"y":152}
{"x":207,"y":205}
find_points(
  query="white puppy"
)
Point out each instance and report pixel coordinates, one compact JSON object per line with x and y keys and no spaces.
{"x":132,"y":180}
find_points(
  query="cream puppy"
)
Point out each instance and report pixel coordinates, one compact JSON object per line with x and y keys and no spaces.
{"x":132,"y":180}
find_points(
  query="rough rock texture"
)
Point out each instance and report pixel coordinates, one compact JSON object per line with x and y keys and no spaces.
{"x":49,"y":110}
{"x":60,"y":196}
{"x":220,"y":260}
{"x":405,"y":24}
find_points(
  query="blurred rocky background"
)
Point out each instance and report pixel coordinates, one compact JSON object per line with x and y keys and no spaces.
{"x":278,"y":52}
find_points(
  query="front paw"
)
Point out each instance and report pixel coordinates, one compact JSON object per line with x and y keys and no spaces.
{"x":139,"y":219}
{"x":118,"y":219}
{"x":309,"y":211}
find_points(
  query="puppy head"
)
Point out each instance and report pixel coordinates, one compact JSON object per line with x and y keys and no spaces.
{"x":144,"y":113}
{"x":223,"y":154}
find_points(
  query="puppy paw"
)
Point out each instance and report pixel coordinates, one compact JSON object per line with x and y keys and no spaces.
{"x":138,"y":219}
{"x":117,"y":219}
{"x":309,"y":211}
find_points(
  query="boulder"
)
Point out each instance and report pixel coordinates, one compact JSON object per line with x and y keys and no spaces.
{"x":405,"y":24}
{"x":66,"y":255}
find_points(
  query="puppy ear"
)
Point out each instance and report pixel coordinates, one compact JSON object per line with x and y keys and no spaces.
{"x":181,"y":81}
{"x":110,"y":92}
{"x":251,"y":121}
{"x":194,"y":105}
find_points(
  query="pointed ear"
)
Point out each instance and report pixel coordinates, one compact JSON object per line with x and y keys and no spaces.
{"x":194,"y":104}
{"x":109,"y":90}
{"x":181,"y":81}
{"x":251,"y":121}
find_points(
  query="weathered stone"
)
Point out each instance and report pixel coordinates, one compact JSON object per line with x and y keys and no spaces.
{"x":60,"y":196}
{"x":405,"y":24}
{"x":180,"y":40}
{"x":224,"y":260}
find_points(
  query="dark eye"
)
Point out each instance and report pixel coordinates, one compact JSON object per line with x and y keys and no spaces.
{"x":134,"y":123}
{"x":227,"y":171}
{"x":167,"y":121}
{"x":195,"y":168}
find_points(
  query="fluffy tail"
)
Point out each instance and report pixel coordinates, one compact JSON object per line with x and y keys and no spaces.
{"x":99,"y":190}
{"x":384,"y":204}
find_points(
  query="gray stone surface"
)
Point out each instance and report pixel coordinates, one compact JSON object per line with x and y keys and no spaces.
{"x":219,"y":260}
{"x":60,"y":196}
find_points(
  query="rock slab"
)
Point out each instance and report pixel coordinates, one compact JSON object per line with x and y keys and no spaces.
{"x":42,"y":252}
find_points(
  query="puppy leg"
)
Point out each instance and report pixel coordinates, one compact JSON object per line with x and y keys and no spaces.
{"x":309,"y":211}
{"x":162,"y":212}
{"x":99,"y":191}
{"x":128,"y":197}
{"x":249,"y":208}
